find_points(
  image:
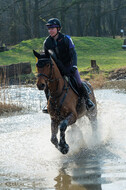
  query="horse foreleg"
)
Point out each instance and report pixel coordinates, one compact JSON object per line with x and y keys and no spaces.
{"x":70,"y":119}
{"x":54,"y":130}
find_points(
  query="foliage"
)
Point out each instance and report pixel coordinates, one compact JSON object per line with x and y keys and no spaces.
{"x":106,"y":51}
{"x":25,"y":19}
{"x":8,"y":108}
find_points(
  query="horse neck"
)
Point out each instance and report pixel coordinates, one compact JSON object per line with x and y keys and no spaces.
{"x":57,"y":83}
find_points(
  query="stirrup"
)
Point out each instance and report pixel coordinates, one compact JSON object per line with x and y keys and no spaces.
{"x":90,"y":105}
{"x":44,"y":110}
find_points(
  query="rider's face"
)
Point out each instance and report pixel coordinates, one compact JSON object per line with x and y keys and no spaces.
{"x":52,"y":31}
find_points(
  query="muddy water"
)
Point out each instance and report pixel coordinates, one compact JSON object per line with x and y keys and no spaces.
{"x":96,"y":161}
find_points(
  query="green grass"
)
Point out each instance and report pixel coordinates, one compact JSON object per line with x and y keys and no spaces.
{"x":21,"y":53}
{"x":106,"y":51}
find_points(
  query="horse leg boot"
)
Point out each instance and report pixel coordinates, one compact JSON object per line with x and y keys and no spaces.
{"x":44,"y":110}
{"x":84,"y":93}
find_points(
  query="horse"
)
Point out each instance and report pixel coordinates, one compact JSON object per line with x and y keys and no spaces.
{"x":64,"y":105}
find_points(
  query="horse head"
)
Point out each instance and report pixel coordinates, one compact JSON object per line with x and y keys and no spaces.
{"x":44,"y":69}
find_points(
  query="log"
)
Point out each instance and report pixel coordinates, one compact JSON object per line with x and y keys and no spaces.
{"x":13,"y":70}
{"x":124,"y":45}
{"x":95,"y":66}
{"x":93,"y":63}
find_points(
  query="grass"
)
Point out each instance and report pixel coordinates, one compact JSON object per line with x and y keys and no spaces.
{"x":9,"y":108}
{"x":106,"y":51}
{"x":21,"y":53}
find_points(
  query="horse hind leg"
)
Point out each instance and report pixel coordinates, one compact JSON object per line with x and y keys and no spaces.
{"x":95,"y":138}
{"x":93,"y":120}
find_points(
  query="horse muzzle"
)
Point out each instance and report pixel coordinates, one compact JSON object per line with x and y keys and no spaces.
{"x":41,"y":86}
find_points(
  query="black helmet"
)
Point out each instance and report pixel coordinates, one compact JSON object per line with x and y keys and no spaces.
{"x":53,"y":23}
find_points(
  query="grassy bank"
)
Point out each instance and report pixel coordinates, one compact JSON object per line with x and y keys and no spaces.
{"x":106,"y":51}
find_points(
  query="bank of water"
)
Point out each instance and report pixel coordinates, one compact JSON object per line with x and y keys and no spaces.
{"x":96,"y":161}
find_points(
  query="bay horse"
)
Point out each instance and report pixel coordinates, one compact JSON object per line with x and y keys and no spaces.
{"x":63,"y":106}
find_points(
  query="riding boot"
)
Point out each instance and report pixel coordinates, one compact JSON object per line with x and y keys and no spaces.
{"x":84,"y":93}
{"x":44,"y":110}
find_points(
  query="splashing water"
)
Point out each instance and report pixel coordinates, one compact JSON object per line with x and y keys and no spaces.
{"x":95,"y":161}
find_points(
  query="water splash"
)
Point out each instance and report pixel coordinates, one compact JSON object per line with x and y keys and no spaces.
{"x":27,"y":156}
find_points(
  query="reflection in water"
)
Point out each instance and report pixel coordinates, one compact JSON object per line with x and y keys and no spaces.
{"x":28,"y":160}
{"x":66,"y":182}
{"x":63,"y":181}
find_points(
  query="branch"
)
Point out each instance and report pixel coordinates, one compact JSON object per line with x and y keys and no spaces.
{"x":8,"y":7}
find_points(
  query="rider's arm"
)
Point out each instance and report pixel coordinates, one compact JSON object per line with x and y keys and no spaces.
{"x":73,"y":56}
{"x":72,"y":53}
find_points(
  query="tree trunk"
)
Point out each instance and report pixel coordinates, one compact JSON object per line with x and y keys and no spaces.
{"x":36,"y":20}
{"x":25,"y":20}
{"x":79,"y":28}
{"x":62,"y":15}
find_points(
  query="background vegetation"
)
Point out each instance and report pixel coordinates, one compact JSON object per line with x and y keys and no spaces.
{"x":25,"y":19}
{"x":94,"y":25}
{"x":107,"y":52}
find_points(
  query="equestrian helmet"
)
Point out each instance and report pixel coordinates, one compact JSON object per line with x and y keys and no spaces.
{"x":53,"y":23}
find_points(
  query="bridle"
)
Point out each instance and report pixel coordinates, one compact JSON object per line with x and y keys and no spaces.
{"x":49,"y":78}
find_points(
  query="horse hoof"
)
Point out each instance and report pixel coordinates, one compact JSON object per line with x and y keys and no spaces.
{"x":64,"y":149}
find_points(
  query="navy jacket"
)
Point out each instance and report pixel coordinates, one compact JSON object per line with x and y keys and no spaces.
{"x":64,"y":50}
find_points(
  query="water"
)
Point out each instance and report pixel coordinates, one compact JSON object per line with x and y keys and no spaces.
{"x":96,"y":161}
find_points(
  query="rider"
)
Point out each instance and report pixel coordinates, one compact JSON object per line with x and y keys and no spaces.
{"x":64,"y":49}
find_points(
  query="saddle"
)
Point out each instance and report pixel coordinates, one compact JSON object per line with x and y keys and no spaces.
{"x":71,"y":79}
{"x":74,"y":85}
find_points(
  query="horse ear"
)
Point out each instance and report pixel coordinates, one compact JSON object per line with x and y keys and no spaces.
{"x":36,"y":54}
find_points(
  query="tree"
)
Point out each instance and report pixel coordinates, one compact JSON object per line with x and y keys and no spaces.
{"x":25,"y":19}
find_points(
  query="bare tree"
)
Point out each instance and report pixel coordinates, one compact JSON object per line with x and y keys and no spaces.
{"x":25,"y":19}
